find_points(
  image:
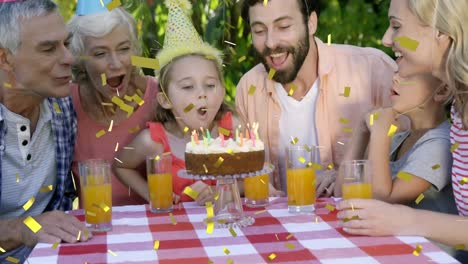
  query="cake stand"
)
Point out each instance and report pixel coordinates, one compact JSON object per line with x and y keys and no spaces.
{"x":228,"y":210}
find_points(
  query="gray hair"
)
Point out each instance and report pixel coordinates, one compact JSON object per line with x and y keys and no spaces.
{"x":98,"y":25}
{"x":11,"y":14}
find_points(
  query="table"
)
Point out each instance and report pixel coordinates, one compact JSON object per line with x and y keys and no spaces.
{"x":311,"y":238}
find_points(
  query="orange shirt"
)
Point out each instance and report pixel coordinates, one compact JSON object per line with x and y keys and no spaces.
{"x":367,"y":71}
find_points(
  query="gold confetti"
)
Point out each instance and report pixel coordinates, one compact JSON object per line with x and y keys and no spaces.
{"x":188,"y":108}
{"x":271,"y":74}
{"x":55,"y":245}
{"x":262,"y":181}
{"x":112,"y":253}
{"x":272,"y":256}
{"x":460,"y":246}
{"x":190,"y":192}
{"x":173,"y":221}
{"x":157,"y":158}
{"x":111,"y":125}
{"x":347,"y":130}
{"x":145,"y":63}
{"x":32,"y":224}
{"x":47,"y":188}
{"x":347,"y":91}
{"x":392,"y":130}
{"x":210,"y":227}
{"x":216,"y":197}
{"x":292,"y":90}
{"x":315,"y":166}
{"x":186,"y":129}
{"x":90,"y":213}
{"x":316,"y":219}
{"x":404,"y":176}
{"x":330,"y":207}
{"x":301,"y":159}
{"x":2,"y":250}
{"x":252,"y":89}
{"x":219,"y":162}
{"x":101,"y":133}
{"x":265,"y":2}
{"x":29,"y":203}
{"x":206,"y":169}
{"x":209,"y":210}
{"x":289,"y":245}
{"x":230,"y":261}
{"x":129,"y":148}
{"x":408,"y":43}
{"x":17,"y":177}
{"x":135,"y":129}
{"x":307,"y":148}
{"x":294,"y":141}
{"x":330,"y":166}
{"x":233,"y":233}
{"x":419,"y":199}
{"x":78,"y":236}
{"x":224,"y":131}
{"x":371,"y":120}
{"x":119,"y":161}
{"x":57,"y":108}
{"x":138,"y":99}
{"x":454,"y":147}
{"x":116,"y":147}
{"x":12,"y":259}
{"x":289,"y":236}
{"x":7,"y":85}
{"x":259,"y":212}
{"x":241,"y":59}
{"x":156,"y":245}
{"x":226,"y":251}
{"x":329,"y":39}
{"x":344,"y":121}
{"x":417,"y":250}
{"x":346,"y":219}
{"x":435,"y":167}
{"x":230,"y":151}
{"x":463,"y":181}
{"x":128,"y":98}
{"x":103,"y":79}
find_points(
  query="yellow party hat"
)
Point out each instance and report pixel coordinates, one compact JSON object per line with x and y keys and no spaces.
{"x":181,"y":36}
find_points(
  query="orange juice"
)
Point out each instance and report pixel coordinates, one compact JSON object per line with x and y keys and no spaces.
{"x":357,"y":190}
{"x":301,"y":186}
{"x":97,"y":203}
{"x":160,"y":190}
{"x":256,"y":188}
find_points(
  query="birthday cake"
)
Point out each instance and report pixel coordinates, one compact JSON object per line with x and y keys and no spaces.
{"x":224,"y":157}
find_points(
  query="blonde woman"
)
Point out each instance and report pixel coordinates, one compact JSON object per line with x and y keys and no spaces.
{"x":439,"y":26}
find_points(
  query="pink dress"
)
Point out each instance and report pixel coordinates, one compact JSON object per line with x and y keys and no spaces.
{"x":88,"y":146}
{"x":459,"y":140}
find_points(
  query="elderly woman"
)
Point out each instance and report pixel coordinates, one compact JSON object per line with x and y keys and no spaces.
{"x":103,"y":43}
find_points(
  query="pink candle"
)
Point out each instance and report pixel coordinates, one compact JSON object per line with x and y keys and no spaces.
{"x":222,"y":140}
{"x":252,"y":136}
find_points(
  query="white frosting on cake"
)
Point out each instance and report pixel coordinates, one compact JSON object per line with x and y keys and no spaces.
{"x":214,"y":146}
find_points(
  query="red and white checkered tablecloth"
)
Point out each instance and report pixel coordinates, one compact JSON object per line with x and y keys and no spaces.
{"x":315,"y":239}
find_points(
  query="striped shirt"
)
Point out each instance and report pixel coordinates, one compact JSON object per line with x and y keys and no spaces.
{"x":459,"y":141}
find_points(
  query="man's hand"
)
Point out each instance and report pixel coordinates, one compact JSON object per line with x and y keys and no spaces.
{"x":325,"y":183}
{"x":205,"y":193}
{"x":56,"y":227}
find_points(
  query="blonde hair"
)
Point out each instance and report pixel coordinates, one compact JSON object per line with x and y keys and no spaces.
{"x":449,"y":17}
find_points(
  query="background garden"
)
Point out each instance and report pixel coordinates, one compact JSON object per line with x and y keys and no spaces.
{"x":354,"y":22}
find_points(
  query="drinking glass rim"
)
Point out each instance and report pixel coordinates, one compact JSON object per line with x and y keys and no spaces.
{"x":93,"y":161}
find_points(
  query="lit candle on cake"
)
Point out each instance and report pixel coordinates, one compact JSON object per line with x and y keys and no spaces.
{"x":222,"y":140}
{"x":241,"y":140}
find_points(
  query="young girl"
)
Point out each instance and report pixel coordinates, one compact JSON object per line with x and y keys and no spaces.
{"x":421,"y":154}
{"x":191,"y":98}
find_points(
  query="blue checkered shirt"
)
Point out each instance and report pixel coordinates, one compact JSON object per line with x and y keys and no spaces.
{"x":64,"y":125}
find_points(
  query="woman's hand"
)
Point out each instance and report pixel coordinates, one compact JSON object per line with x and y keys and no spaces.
{"x":273,"y":192}
{"x":205,"y":193}
{"x":375,"y":218}
{"x":382,"y":119}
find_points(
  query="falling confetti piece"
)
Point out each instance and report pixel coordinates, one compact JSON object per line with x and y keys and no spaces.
{"x":209,"y":210}
{"x":271,"y":74}
{"x":119,"y":161}
{"x":404,"y":176}
{"x":55,"y":245}
{"x":330,"y":207}
{"x":145,"y":63}
{"x":111,"y":125}
{"x":435,"y":167}
{"x":292,"y":90}
{"x":252,"y":89}
{"x":156,"y":245}
{"x":128,"y":98}
{"x":347,"y":130}
{"x":346,"y":219}
{"x":189,"y":108}
{"x":226,"y":251}
{"x":216,"y":197}
{"x":219,"y":162}
{"x":230,"y":261}
{"x":230,"y":151}
{"x":408,"y":43}
{"x":392,"y":130}
{"x":224,"y":131}
{"x":230,"y":43}
{"x":78,"y":236}
{"x":190,"y":192}
{"x":57,"y":108}
{"x":289,"y":245}
{"x":454,"y":147}
{"x":210,"y":227}
{"x":112,"y":253}
{"x":307,"y":148}
{"x":7,"y":85}
{"x":12,"y":259}
{"x":116,"y":147}
{"x":103,"y":79}
{"x":315,"y":166}
{"x":463,"y":181}
{"x":272,"y":256}
{"x":135,"y":129}
{"x":17,"y":177}
{"x":344,"y":121}
{"x":265,"y":2}
{"x":138,"y":99}
{"x":241,"y":59}
{"x":419,"y":199}
{"x":460,"y":246}
{"x":47,"y":188}
{"x":233,"y":233}
{"x":262,"y":181}
{"x":301,"y":160}
{"x":330,"y":166}
{"x":29,"y":203}
{"x":104,"y":207}
{"x":157,"y":158}
{"x":316,"y":220}
{"x":206,"y":169}
{"x":329,"y":39}
{"x":173,"y":221}
{"x":90,"y":213}
{"x":107,"y":104}
{"x":32,"y":224}
{"x":347,"y":91}
{"x":2,"y":250}
{"x":294,"y":141}
{"x":289,"y":236}
{"x":259,"y":212}
{"x":371,"y":120}
{"x":101,"y":133}
{"x":186,"y":129}
{"x":417,"y":250}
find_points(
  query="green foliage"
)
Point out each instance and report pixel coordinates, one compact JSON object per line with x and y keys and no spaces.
{"x":354,"y":22}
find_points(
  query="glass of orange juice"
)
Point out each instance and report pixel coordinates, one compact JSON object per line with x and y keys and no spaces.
{"x":256,"y":190}
{"x":300,"y":179}
{"x":357,"y":179}
{"x":96,"y":192}
{"x":159,"y":170}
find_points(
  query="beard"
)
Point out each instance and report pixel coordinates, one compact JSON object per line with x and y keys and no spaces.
{"x":298,"y":52}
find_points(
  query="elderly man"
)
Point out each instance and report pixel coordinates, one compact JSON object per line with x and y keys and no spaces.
{"x":37,"y":129}
{"x":307,"y":92}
